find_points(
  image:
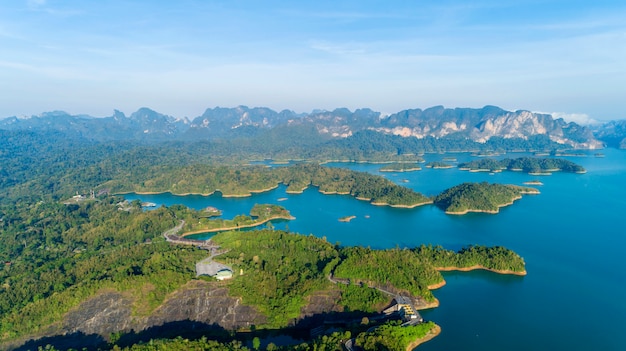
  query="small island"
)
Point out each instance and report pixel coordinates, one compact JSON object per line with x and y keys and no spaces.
{"x":480,"y":197}
{"x":400,"y":167}
{"x":533,"y":182}
{"x":346,"y":218}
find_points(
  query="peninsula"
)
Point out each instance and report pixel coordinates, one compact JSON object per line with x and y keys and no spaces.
{"x":259,"y":214}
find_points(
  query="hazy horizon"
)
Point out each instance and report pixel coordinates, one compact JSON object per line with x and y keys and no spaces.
{"x":581,"y":119}
{"x":179,"y":58}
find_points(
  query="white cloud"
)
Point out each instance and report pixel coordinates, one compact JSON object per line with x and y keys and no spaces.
{"x":36,"y":3}
{"x":579,"y":118}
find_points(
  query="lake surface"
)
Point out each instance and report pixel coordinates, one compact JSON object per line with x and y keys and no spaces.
{"x":572,"y":237}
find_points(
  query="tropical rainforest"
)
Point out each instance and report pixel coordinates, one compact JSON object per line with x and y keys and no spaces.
{"x":66,"y":237}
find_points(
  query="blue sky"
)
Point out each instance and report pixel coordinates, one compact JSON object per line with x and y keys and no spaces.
{"x":181,"y":57}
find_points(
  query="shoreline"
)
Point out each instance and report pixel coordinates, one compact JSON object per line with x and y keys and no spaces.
{"x":460,"y":213}
{"x":401,"y":206}
{"x":436,"y":286}
{"x":213,"y":230}
{"x":427,"y":305}
{"x":296,"y":191}
{"x":401,"y":170}
{"x":373,"y":202}
{"x":252,"y":192}
{"x":479,"y":267}
{"x":436,"y":330}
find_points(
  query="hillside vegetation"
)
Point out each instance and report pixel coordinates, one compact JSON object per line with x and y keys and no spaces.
{"x":242,"y":181}
{"x":525,"y":164}
{"x":479,"y":197}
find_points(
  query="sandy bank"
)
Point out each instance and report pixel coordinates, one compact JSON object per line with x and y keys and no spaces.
{"x":401,"y":206}
{"x":256,"y":224}
{"x":162,"y":192}
{"x":334,"y":192}
{"x":475,"y":267}
{"x":491,"y":211}
{"x":437,"y":285}
{"x":250,"y":192}
{"x":399,"y":170}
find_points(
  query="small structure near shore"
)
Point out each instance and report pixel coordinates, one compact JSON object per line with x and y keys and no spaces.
{"x":214,"y":269}
{"x":405,"y":307}
{"x":224,"y":274}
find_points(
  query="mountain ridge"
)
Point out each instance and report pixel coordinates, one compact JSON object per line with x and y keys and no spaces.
{"x":476,"y":124}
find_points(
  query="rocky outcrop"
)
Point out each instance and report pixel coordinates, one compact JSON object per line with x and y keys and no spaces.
{"x":199,"y":301}
{"x":204,"y":302}
{"x":321,"y":302}
{"x":483,"y":124}
{"x":106,"y":313}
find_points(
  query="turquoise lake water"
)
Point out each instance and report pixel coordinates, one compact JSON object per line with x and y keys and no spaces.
{"x":572,"y":237}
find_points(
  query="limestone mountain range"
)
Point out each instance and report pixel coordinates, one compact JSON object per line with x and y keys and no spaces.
{"x":477,"y":124}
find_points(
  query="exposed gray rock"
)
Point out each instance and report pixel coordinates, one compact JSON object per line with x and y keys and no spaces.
{"x":204,"y":302}
{"x":104,"y":314}
{"x":111,"y":312}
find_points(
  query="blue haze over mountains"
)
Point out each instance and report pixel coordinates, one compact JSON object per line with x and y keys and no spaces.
{"x":468,"y":123}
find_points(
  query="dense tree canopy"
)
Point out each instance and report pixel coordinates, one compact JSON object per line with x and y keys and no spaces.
{"x":525,"y":164}
{"x":479,"y":197}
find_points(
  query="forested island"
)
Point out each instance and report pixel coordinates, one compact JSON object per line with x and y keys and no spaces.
{"x":523,"y":164}
{"x":480,"y":197}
